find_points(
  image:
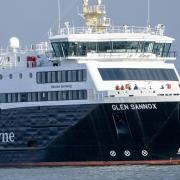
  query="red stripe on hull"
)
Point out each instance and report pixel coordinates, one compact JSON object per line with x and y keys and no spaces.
{"x":92,"y":163}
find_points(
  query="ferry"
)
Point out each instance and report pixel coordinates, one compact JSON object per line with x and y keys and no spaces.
{"x":93,"y":95}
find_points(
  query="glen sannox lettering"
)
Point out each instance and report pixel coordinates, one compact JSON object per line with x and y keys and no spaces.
{"x":123,"y":107}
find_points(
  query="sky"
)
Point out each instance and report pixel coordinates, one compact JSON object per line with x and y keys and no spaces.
{"x":30,"y":20}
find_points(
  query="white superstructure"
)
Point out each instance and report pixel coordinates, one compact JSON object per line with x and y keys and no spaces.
{"x":93,"y":64}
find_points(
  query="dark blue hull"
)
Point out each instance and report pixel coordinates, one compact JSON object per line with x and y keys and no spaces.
{"x":84,"y":133}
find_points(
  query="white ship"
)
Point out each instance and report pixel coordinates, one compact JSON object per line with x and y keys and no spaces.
{"x":94,"y":95}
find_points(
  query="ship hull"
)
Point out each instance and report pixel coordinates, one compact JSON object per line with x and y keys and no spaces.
{"x":94,"y":134}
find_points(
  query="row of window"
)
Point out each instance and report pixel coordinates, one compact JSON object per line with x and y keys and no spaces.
{"x":43,"y":96}
{"x":20,"y":76}
{"x":61,"y":76}
{"x":63,"y":49}
{"x":114,"y":74}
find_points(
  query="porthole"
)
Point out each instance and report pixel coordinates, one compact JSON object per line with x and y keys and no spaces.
{"x":1,"y":77}
{"x":10,"y":76}
{"x":18,"y":58}
{"x":20,"y":75}
{"x":30,"y":75}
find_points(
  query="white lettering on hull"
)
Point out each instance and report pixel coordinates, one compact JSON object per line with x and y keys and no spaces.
{"x":178,"y":153}
{"x":7,"y":137}
{"x":123,"y":107}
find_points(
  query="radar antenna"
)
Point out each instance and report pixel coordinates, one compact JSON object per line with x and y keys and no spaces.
{"x":95,"y":16}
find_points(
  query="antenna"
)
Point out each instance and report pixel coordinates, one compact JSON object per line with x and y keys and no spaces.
{"x":148,"y":20}
{"x":59,"y":16}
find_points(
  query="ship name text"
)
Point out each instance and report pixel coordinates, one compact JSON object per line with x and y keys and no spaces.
{"x":7,"y":137}
{"x":123,"y":107}
{"x":61,"y":86}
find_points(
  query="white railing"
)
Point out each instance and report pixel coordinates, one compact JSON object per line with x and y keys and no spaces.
{"x":40,"y":48}
{"x":158,"y":30}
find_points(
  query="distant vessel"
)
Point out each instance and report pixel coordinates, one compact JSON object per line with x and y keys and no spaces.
{"x":96,"y":95}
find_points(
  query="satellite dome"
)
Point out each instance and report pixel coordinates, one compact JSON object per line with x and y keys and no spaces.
{"x":14,"y":43}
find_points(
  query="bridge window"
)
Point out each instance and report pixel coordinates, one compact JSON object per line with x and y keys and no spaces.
{"x":148,"y":47}
{"x":63,"y":49}
{"x":159,"y":48}
{"x":104,"y":47}
{"x":166,"y":50}
{"x":116,"y":74}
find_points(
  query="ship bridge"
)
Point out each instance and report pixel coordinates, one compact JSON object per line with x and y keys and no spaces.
{"x":114,"y":43}
{"x":100,"y":40}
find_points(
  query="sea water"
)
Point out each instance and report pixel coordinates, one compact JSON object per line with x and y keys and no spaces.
{"x":93,"y":173}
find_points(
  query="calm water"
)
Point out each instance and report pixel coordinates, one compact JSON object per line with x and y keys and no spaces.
{"x":91,"y":173}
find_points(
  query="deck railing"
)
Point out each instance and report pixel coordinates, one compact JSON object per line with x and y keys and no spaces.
{"x":112,"y":29}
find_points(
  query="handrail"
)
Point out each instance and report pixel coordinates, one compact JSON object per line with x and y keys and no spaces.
{"x":112,"y":29}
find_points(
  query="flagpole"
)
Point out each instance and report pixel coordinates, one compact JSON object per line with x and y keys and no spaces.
{"x":59,"y":16}
{"x":148,"y":20}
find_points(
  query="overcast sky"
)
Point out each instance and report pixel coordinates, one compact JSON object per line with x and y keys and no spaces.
{"x":30,"y":20}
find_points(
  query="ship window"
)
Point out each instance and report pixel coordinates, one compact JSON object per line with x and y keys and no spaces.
{"x":18,"y":58}
{"x":70,"y":95}
{"x":74,"y":76}
{"x":15,"y":97}
{"x":158,"y":48}
{"x":43,"y":77}
{"x":167,"y":47}
{"x":54,"y":96}
{"x":84,"y":75}
{"x":77,"y":49}
{"x":43,"y":96}
{"x":82,"y":95}
{"x":114,"y":74}
{"x":1,"y":77}
{"x":30,"y":75}
{"x":69,"y":76}
{"x":63,"y":49}
{"x":124,"y":46}
{"x":56,"y":48}
{"x":92,"y":47}
{"x":104,"y":47}
{"x":75,"y":95}
{"x":80,"y":76}
{"x":10,"y":76}
{"x":20,"y":75}
{"x":64,"y":95}
{"x":34,"y":96}
{"x":38,"y":77}
{"x":8,"y":59}
{"x":8,"y":97}
{"x":23,"y":97}
{"x":148,"y":47}
{"x":61,"y":76}
{"x":54,"y":77}
{"x":2,"y":98}
{"x":49,"y":77}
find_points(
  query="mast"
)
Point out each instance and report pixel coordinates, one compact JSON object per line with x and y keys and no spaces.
{"x":148,"y":17}
{"x":59,"y":16}
{"x":95,"y":16}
